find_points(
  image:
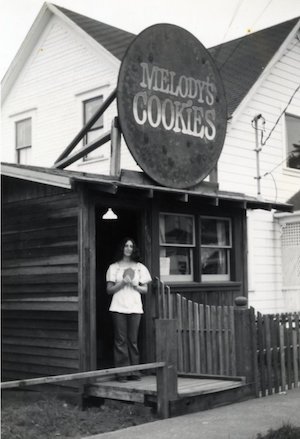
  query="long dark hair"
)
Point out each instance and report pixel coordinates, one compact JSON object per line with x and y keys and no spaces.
{"x":120,"y":251}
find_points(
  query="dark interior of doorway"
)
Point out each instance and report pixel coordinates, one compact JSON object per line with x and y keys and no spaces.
{"x":109,"y":233}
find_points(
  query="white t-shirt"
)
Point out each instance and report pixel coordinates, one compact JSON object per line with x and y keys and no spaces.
{"x":127,"y":300}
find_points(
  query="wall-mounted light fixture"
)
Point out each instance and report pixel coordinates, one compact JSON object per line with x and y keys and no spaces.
{"x":110,"y":215}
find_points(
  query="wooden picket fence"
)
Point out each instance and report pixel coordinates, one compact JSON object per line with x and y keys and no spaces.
{"x":205,"y":334}
{"x":208,"y":342}
{"x":278,"y":352}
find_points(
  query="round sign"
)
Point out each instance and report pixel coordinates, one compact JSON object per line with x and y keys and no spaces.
{"x":171,"y":106}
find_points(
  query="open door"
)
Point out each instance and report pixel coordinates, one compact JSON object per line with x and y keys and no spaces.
{"x":109,"y":233}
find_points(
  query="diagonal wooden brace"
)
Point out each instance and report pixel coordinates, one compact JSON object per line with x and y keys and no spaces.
{"x":83,"y":151}
{"x":86,"y":128}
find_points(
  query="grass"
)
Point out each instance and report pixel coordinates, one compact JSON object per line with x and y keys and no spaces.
{"x":31,"y":415}
{"x":285,"y":432}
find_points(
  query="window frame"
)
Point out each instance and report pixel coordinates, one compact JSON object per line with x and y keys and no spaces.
{"x":196,"y":249}
{"x":92,"y":129}
{"x":20,"y":148}
{"x":180,"y":277}
{"x":229,"y":247}
{"x":288,"y":169}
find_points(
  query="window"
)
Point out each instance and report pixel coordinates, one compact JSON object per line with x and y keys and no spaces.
{"x":293,"y":141}
{"x":179,"y":243}
{"x":23,"y":141}
{"x":215,"y":248}
{"x":90,"y":107}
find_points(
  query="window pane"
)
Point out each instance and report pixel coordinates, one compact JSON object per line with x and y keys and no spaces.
{"x":90,"y":108}
{"x":214,"y":261}
{"x":176,"y":229}
{"x":24,"y":156}
{"x":23,"y":131}
{"x":176,"y":261}
{"x":293,"y":141}
{"x":92,"y":135}
{"x":215,"y":232}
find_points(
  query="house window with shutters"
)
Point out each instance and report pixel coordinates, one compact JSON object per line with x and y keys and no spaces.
{"x":293,"y":141}
{"x":23,"y":141}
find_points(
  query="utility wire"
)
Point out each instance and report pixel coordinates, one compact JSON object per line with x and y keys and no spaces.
{"x":228,"y":27}
{"x":231,"y":53}
{"x":241,"y":38}
{"x":275,"y":185}
{"x":233,"y":18}
{"x":275,"y":167}
{"x":279,"y":117}
{"x":262,"y":12}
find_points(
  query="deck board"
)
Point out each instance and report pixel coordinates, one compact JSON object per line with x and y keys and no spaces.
{"x":136,"y":390}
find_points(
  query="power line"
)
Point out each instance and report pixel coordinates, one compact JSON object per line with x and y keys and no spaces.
{"x":279,"y":117}
{"x":241,"y":39}
{"x":233,"y":17}
{"x":275,"y":167}
{"x":229,"y":26}
{"x":274,"y":181}
{"x":263,"y":11}
{"x":232,"y":52}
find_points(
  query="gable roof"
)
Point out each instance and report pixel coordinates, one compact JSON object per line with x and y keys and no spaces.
{"x":115,"y":40}
{"x":242,"y":61}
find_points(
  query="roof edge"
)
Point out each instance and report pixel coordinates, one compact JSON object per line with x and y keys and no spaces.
{"x":47,"y":11}
{"x":91,"y":41}
{"x":26,"y":47}
{"x":63,"y":178}
{"x":36,"y":176}
{"x":278,"y":54}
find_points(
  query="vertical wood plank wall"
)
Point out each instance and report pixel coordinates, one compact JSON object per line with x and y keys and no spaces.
{"x":39,"y":281}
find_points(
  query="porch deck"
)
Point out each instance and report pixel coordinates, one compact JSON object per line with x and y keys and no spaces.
{"x":194,"y":393}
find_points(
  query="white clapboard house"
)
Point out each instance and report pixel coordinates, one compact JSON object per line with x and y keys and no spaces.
{"x":68,"y":64}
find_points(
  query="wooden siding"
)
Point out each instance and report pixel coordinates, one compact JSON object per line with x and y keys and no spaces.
{"x":39,"y":281}
{"x":237,"y":166}
{"x":79,"y":73}
{"x":62,"y":72}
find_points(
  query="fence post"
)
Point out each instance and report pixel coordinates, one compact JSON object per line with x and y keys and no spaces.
{"x":166,"y":350}
{"x":245,"y":342}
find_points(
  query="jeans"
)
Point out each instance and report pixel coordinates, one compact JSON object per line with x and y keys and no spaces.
{"x":126,"y":328}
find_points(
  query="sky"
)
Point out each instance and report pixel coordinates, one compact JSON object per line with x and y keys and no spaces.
{"x":211,"y":21}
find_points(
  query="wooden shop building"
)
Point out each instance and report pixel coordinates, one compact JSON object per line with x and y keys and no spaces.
{"x":57,"y":245}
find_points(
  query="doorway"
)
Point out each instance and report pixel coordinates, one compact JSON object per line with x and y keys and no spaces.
{"x":109,"y":233}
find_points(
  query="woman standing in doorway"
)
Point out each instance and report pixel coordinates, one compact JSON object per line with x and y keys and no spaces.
{"x":126,"y":280}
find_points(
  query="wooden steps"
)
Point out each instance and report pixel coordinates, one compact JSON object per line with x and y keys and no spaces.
{"x":189,"y":389}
